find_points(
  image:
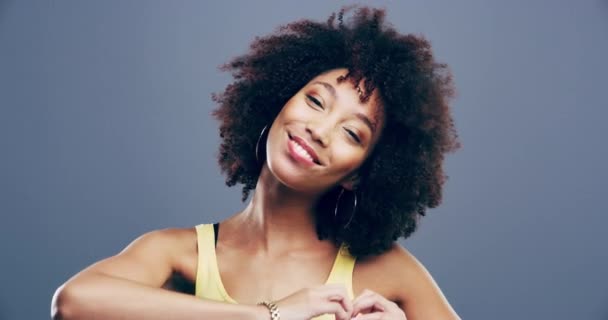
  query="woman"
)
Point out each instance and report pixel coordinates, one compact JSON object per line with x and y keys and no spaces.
{"x":341,"y":129}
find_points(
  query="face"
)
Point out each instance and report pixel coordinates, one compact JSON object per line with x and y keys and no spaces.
{"x":323,"y":134}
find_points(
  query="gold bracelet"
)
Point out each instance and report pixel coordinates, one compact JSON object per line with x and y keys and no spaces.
{"x":272,"y":307}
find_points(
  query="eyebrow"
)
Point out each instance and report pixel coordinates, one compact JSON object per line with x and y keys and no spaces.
{"x":327,"y":86}
{"x":365,"y":119}
{"x":359,"y":115}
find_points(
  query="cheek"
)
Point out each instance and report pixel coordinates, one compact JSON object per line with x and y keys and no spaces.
{"x":346,"y":158}
{"x":295,"y":110}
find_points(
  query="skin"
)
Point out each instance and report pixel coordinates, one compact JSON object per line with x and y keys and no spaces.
{"x":275,"y":234}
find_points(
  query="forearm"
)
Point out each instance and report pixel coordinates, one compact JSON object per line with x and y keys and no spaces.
{"x":105,"y":297}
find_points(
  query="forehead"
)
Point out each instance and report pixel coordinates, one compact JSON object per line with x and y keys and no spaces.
{"x":346,"y":86}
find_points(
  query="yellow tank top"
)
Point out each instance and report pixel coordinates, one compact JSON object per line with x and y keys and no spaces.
{"x":209,"y":285}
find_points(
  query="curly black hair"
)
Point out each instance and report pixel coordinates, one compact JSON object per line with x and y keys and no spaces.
{"x":403,"y":176}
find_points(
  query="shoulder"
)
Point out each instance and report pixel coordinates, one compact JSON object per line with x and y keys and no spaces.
{"x":385,"y":273}
{"x":170,"y":244}
{"x":150,"y":258}
{"x":170,"y":238}
{"x":178,"y":246}
{"x":406,"y":281}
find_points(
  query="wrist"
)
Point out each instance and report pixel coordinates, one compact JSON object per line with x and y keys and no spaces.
{"x":272,"y":310}
{"x":261,"y":312}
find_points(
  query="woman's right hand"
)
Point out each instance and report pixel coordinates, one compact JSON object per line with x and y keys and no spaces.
{"x":308,"y":303}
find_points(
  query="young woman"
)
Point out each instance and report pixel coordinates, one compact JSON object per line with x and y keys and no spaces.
{"x":340,"y":129}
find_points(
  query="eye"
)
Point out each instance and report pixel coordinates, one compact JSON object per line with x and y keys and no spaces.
{"x":315,"y":101}
{"x":354,"y":136}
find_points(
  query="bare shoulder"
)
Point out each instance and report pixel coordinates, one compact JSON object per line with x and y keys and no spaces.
{"x":151,"y":258}
{"x":171,"y":241}
{"x":400,"y":277}
{"x":180,"y":246}
{"x":184,"y":238}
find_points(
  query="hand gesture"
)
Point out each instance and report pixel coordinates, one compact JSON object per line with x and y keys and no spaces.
{"x":311,"y":302}
{"x":370,"y":305}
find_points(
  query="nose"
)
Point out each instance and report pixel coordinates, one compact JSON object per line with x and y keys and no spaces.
{"x":319,"y":131}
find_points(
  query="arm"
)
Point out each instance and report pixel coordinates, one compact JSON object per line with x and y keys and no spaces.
{"x":405,"y":290}
{"x":420,"y":295}
{"x":128,"y":286}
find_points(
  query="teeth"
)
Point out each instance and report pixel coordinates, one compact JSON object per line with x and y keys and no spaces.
{"x":301,"y":151}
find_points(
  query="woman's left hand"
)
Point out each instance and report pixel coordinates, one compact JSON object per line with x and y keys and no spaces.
{"x":370,"y":305}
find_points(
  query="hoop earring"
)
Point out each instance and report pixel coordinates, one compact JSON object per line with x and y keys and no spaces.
{"x":353,"y":210}
{"x":257,"y":145}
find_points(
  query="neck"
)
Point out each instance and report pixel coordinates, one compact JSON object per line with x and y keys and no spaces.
{"x":278,"y":217}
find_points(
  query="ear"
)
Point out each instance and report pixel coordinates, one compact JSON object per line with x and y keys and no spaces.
{"x":350,"y":182}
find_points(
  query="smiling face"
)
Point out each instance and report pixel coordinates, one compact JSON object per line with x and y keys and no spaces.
{"x":323,"y":134}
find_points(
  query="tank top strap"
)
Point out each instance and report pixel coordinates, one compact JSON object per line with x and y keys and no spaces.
{"x":342,"y":270}
{"x":205,"y":241}
{"x":208,"y":283}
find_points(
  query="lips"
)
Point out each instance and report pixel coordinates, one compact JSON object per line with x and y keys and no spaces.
{"x":302,"y":143}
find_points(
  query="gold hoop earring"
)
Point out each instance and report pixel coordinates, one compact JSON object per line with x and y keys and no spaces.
{"x":257,"y":145}
{"x":353,"y":210}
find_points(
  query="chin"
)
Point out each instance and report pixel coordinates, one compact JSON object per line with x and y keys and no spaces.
{"x":287,"y":168}
{"x":286,"y":174}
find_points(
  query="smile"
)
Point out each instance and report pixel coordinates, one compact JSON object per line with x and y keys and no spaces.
{"x":302,"y":152}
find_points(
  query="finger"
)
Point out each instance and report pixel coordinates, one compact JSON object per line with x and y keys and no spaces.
{"x":334,"y":296}
{"x":363,"y":294}
{"x":345,"y":303}
{"x":369,"y":293}
{"x":337,"y":310}
{"x":337,"y":292}
{"x":369,"y":316}
{"x":368,"y":303}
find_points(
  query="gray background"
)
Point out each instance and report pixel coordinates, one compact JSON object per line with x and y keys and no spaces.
{"x":105,"y":133}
